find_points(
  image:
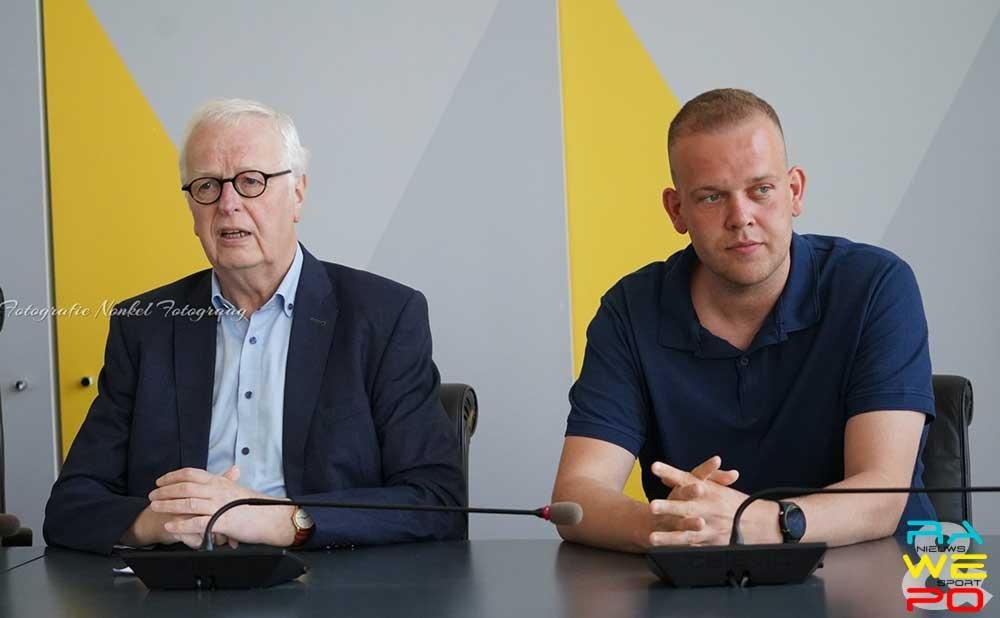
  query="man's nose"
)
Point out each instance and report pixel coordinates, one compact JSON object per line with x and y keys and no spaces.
{"x":229,"y":199}
{"x":739,"y":211}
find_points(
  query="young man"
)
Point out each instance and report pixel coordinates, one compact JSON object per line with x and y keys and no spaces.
{"x":796,"y":360}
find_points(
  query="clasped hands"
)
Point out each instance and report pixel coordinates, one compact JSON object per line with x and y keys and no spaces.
{"x":700,"y":507}
{"x":186,"y":499}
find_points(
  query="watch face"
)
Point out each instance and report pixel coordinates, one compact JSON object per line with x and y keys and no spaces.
{"x":795,"y":522}
{"x":302,"y":519}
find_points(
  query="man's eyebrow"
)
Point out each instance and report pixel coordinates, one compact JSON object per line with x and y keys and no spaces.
{"x":757,"y":179}
{"x":203,"y":173}
{"x":711,"y":188}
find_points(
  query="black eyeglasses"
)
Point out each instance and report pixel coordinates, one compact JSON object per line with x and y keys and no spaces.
{"x":208,"y":190}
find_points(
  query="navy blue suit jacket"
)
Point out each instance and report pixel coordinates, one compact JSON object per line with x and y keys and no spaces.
{"x":362,"y":419}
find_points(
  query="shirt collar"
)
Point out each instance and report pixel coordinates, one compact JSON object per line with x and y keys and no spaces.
{"x":797,"y":307}
{"x":679,"y":326}
{"x":284,"y":295}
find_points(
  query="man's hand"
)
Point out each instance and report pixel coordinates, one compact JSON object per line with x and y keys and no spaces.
{"x":704,"y":509}
{"x":150,"y":527}
{"x":670,"y":526}
{"x":190,"y":496}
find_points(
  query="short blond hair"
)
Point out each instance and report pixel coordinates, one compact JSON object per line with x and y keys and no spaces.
{"x":717,"y":110}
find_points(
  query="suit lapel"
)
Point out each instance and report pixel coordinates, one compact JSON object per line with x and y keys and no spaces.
{"x":194,"y":373}
{"x":313,"y":322}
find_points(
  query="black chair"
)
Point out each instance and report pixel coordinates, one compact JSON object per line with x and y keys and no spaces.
{"x":22,"y":538}
{"x":946,"y":454}
{"x":459,"y":401}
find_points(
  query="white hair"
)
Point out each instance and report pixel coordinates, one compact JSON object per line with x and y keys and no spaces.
{"x":229,"y":112}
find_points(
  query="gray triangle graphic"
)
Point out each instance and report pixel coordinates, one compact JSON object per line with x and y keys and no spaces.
{"x":481,"y":230}
{"x":946,"y":228}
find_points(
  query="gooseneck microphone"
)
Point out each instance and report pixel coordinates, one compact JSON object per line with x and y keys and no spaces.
{"x":261,"y":566}
{"x":559,"y":513}
{"x":741,"y":565}
{"x":736,"y":537}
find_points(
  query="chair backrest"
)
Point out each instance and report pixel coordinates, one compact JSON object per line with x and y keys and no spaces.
{"x":459,"y":401}
{"x":946,"y":454}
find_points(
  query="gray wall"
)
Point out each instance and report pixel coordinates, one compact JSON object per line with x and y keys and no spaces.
{"x":946,"y":228}
{"x":29,"y":419}
{"x":481,"y":227}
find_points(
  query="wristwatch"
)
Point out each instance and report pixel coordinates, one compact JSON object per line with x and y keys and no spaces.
{"x":791,"y":522}
{"x":304,"y":526}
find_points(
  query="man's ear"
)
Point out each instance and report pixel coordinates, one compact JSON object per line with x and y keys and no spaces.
{"x":301,"y":183}
{"x":672,"y":204}
{"x":797,"y":185}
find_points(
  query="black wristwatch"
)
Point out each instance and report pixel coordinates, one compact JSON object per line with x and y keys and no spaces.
{"x":791,"y":522}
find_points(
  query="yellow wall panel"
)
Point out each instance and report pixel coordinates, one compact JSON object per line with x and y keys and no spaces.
{"x":119,"y":222}
{"x":616,"y":110}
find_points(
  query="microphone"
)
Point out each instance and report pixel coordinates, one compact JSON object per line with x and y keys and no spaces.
{"x":739,"y":565}
{"x":558,"y":513}
{"x":9,"y":525}
{"x":261,"y":566}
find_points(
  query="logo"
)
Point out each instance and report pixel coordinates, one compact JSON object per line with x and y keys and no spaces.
{"x":945,"y":576}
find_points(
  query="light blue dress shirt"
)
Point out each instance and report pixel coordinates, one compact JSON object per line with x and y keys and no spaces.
{"x":249,"y":391}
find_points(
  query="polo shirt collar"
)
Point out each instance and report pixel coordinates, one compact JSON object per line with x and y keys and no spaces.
{"x":679,"y":326}
{"x":797,"y":307}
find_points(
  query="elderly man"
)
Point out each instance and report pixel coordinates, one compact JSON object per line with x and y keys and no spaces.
{"x":796,"y":360}
{"x":307,"y":379}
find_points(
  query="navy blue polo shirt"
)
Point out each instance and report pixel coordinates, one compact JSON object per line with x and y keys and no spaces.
{"x":847,"y":336}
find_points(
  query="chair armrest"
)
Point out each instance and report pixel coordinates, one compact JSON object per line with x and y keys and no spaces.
{"x":21,"y":538}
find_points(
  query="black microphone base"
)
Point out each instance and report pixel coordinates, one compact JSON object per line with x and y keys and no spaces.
{"x":736,"y":565}
{"x":222,"y":569}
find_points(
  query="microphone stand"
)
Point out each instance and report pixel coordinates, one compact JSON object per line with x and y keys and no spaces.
{"x":741,"y":565}
{"x":261,"y":566}
{"x":206,"y":544}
